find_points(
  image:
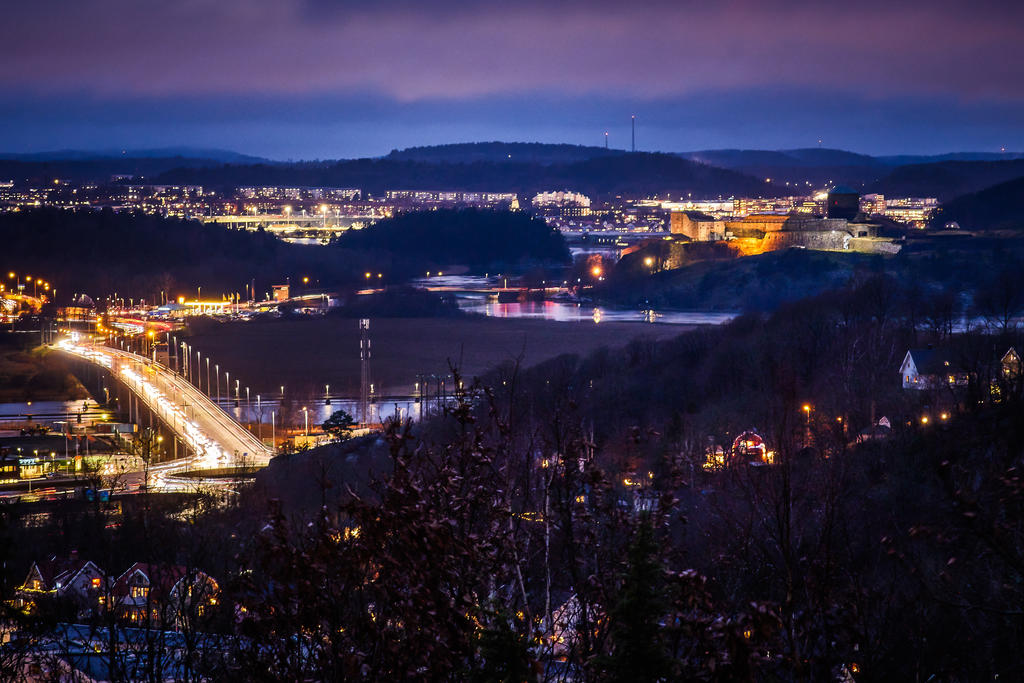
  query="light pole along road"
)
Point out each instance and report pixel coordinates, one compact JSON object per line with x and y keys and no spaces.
{"x":215,"y":439}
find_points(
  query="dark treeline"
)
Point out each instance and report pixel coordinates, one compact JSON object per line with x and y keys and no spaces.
{"x":557,"y":523}
{"x":948,"y":179}
{"x":475,"y":238}
{"x":44,"y":171}
{"x":502,"y":152}
{"x":995,"y":208}
{"x":639,"y":174}
{"x":145,"y":256}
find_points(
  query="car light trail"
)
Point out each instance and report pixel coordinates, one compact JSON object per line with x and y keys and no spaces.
{"x":214,"y":444}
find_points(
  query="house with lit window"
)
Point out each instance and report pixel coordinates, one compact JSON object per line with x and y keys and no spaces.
{"x":925,"y":369}
{"x":1010,"y":379}
{"x":166,"y":595}
{"x":62,"y":578}
{"x":1010,"y":366}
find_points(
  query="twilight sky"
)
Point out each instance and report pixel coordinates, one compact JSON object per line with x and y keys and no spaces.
{"x":343,"y":78}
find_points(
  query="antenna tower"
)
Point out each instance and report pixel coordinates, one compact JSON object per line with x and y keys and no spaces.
{"x":364,"y":361}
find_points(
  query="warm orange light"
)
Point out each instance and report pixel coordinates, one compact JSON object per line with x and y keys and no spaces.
{"x":944,"y":416}
{"x":648,"y":261}
{"x":807,"y":408}
{"x":11,"y":275}
{"x":924,"y":419}
{"x":305,"y":280}
{"x":368,"y":276}
{"x":596,"y":271}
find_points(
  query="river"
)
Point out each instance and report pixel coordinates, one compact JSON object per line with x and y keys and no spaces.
{"x":475,"y":294}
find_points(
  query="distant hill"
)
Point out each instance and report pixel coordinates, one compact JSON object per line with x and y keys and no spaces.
{"x":813,"y":167}
{"x":905,"y":159}
{"x":994,"y":208}
{"x":947,"y":179}
{"x":204,"y":154}
{"x":528,"y":167}
{"x":817,"y":167}
{"x":639,"y":174}
{"x":502,"y":152}
{"x":95,"y":170}
{"x":803,"y":158}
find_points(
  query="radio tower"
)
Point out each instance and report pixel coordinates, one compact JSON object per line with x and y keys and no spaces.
{"x":606,"y":139}
{"x":364,"y":358}
{"x":632,"y":122}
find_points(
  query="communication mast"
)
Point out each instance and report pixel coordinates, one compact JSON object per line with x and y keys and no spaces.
{"x":364,"y":359}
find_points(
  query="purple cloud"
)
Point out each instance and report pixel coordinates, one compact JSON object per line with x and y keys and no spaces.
{"x":413,"y":51}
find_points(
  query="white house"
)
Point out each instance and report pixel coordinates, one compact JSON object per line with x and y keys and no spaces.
{"x":924,"y":369}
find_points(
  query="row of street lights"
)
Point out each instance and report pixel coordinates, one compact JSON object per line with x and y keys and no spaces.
{"x":36,"y":283}
{"x":185,"y":368}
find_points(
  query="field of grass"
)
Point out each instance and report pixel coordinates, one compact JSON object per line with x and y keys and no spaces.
{"x":306,"y":354}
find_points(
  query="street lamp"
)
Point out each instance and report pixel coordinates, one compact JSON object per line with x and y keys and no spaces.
{"x":305,"y":414}
{"x":216,"y":368}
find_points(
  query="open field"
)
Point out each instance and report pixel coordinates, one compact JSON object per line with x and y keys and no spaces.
{"x":310,"y":353}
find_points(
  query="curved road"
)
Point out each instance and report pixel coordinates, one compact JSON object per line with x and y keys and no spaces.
{"x":215,"y":438}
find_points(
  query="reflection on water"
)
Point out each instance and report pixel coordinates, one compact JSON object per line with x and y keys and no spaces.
{"x":472,"y":294}
{"x":570,"y":312}
{"x":39,"y":409}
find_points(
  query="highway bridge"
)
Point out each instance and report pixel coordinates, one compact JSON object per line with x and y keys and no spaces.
{"x":216,"y":440}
